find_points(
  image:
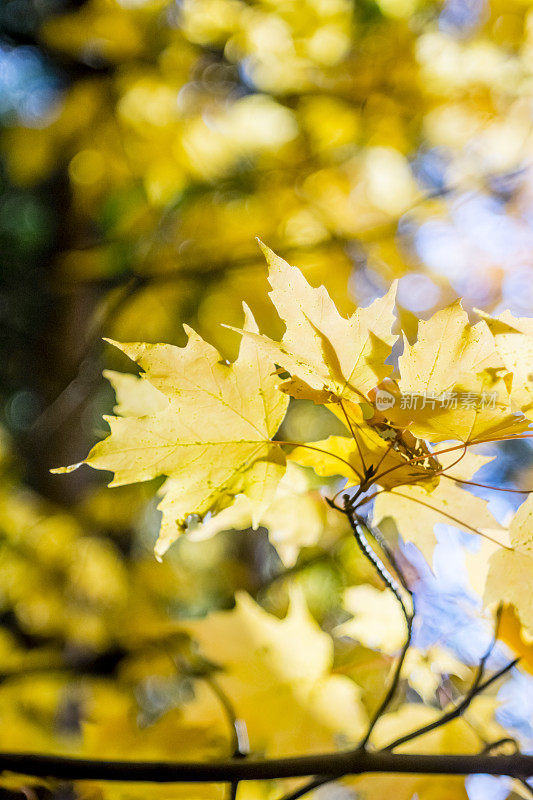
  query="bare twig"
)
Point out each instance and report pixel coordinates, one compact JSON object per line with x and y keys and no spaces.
{"x":455,"y":712}
{"x":240,"y":747}
{"x":241,"y":743}
{"x":358,"y":526}
{"x":392,"y":687}
{"x":315,"y":783}
{"x":491,"y":746}
{"x":296,"y":569}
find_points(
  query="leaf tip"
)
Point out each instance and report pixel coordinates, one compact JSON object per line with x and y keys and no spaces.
{"x":192,"y":335}
{"x":265,"y":249}
{"x":112,"y":342}
{"x":393,"y":288}
{"x":250,"y":324}
{"x":65,"y":470}
{"x":232,"y":328}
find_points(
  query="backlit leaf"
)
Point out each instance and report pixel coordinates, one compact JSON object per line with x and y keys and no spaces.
{"x":210,"y":433}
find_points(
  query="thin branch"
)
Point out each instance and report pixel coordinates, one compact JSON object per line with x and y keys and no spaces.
{"x":491,"y":746}
{"x":358,"y":525}
{"x":454,"y":712}
{"x":383,"y":543}
{"x":240,"y":742}
{"x":315,"y":783}
{"x":393,"y":684}
{"x":233,"y":789}
{"x":511,"y":438}
{"x":240,"y":747}
{"x":436,"y":453}
{"x":416,"y":480}
{"x":386,"y":453}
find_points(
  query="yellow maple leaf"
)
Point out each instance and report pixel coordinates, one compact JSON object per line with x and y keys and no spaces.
{"x":514,"y":342}
{"x":210,"y":434}
{"x":296,"y":517}
{"x":135,"y":397}
{"x":327,"y":355}
{"x":450,"y":385}
{"x":277,"y":669}
{"x":510,"y":576}
{"x":352,"y":457}
{"x":424,"y":671}
{"x":377,"y":619}
{"x":511,"y":632}
{"x":416,"y":511}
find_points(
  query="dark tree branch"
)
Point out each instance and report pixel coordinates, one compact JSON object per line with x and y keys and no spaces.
{"x":360,"y":529}
{"x":332,"y":765}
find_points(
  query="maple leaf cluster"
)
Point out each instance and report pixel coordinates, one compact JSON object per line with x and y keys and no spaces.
{"x":209,"y":427}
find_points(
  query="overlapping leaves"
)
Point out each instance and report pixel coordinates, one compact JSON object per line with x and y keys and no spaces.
{"x":209,"y":426}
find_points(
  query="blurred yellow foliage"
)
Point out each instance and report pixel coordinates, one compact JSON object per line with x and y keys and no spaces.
{"x":366,"y":141}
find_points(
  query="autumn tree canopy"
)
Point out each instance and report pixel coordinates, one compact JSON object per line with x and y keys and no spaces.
{"x":307,"y":533}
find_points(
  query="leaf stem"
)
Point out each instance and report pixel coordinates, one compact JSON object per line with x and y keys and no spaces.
{"x":486,"y":485}
{"x":511,"y":438}
{"x":459,"y":523}
{"x":354,"y":437}
{"x":418,"y":479}
{"x":318,"y":450}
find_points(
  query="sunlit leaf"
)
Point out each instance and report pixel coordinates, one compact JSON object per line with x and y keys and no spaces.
{"x":212,"y":439}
